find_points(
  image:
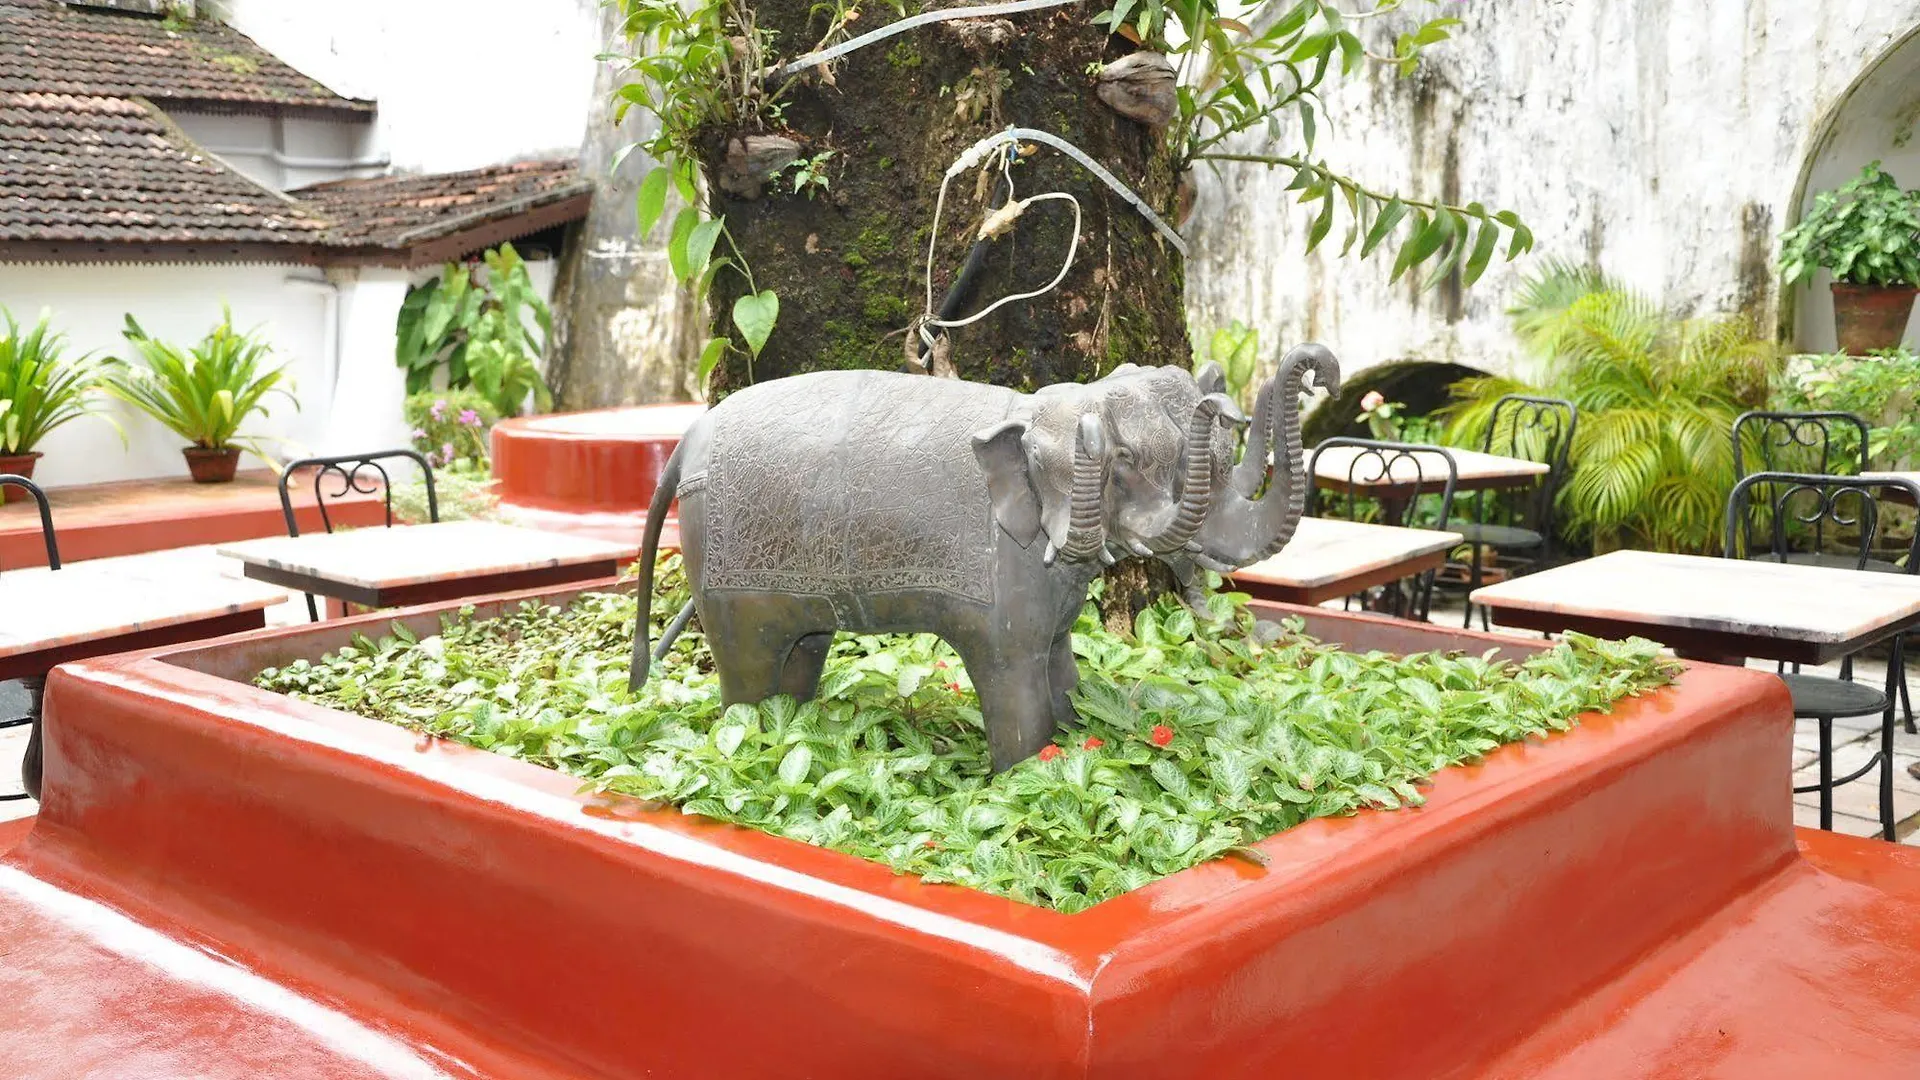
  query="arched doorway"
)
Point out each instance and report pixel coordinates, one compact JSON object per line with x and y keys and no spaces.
{"x":1877,"y":119}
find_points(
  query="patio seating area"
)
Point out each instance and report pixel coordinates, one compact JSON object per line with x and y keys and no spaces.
{"x":1005,"y":541}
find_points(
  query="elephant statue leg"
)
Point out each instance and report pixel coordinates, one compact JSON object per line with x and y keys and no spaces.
{"x":751,"y":652}
{"x":1015,"y":685}
{"x":800,"y":675}
{"x":1063,"y":674}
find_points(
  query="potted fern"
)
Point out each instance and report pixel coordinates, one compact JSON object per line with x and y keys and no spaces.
{"x":39,"y":391}
{"x":1867,"y":232}
{"x":202,"y":394}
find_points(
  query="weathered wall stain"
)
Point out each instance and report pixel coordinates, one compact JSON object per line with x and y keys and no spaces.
{"x":1663,"y":141}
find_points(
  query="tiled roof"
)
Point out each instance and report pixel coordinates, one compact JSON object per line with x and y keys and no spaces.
{"x":105,"y":170}
{"x":97,"y":176}
{"x":398,"y":211}
{"x":91,"y":168}
{"x":48,"y":47}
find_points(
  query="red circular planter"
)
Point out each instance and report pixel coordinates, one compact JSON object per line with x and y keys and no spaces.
{"x":589,"y":473}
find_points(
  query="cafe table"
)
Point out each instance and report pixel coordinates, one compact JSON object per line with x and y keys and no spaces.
{"x":49,"y":617}
{"x":1896,"y":494}
{"x":1419,"y":472}
{"x":1328,"y":558}
{"x":1722,"y":610}
{"x":423,"y":564}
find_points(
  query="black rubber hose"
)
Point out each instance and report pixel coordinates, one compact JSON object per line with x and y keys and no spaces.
{"x":962,"y":288}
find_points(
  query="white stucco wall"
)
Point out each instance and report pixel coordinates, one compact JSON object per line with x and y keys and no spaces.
{"x":286,"y":152}
{"x":459,"y":86}
{"x":178,"y":304}
{"x":1665,"y":140}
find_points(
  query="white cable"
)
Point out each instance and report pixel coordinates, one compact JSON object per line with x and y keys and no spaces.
{"x":980,"y":11}
{"x":1072,"y":248}
{"x":978,"y":151}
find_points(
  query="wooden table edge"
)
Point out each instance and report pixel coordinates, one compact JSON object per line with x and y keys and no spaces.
{"x":1695,"y":642}
{"x":37,"y":662}
{"x":1335,"y":588}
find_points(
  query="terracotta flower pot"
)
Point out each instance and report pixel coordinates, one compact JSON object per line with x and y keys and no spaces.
{"x":1869,"y":317}
{"x":18,"y":465}
{"x":212,"y":466}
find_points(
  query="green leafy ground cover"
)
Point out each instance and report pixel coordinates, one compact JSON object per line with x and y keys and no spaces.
{"x":1196,"y":740}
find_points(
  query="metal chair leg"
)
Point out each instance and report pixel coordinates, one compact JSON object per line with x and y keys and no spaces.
{"x":1896,"y":672}
{"x":1906,"y":702}
{"x":1826,"y":773}
{"x":1473,"y":583}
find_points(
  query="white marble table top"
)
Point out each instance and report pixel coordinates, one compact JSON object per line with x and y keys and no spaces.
{"x":1425,"y":467}
{"x":1327,"y":550}
{"x":1788,"y":601}
{"x":45,"y":609}
{"x":380,"y":558}
{"x":1910,"y":477}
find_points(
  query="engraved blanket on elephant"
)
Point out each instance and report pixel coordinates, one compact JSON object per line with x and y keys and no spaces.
{"x":849,"y":483}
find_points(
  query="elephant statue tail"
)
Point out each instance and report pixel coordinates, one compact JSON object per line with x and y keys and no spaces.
{"x":663,"y":495}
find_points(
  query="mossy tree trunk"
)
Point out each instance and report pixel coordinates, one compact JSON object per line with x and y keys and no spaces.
{"x":849,"y":262}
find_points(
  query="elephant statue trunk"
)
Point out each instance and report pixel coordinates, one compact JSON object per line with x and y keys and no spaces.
{"x":1247,"y":525}
{"x":1086,"y":522}
{"x":1196,"y":491}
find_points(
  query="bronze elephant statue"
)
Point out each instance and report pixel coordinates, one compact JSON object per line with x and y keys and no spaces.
{"x":874,"y":502}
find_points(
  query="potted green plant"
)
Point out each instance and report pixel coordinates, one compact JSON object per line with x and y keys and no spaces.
{"x":39,"y":391}
{"x":1867,"y":232}
{"x":202,"y":394}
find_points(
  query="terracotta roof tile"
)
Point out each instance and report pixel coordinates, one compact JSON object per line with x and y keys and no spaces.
{"x":112,"y":170}
{"x":46,"y":46}
{"x":396,"y":211}
{"x":89,"y":165}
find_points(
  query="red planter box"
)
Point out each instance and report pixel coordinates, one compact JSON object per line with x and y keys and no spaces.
{"x":589,"y":473}
{"x":485,"y":909}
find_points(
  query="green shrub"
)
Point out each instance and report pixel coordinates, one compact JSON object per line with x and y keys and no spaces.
{"x":480,"y":324}
{"x":452,"y":426}
{"x":1880,"y":389}
{"x":1196,"y":740}
{"x":1652,"y":460}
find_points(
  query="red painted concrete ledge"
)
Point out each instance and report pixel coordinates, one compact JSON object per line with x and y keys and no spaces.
{"x":1626,"y":899}
{"x":130,"y":517}
{"x":588,"y":473}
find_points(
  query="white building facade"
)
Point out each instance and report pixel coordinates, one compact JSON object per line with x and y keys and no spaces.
{"x":403,"y":90}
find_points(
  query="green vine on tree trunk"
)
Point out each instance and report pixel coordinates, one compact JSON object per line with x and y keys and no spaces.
{"x":704,"y":67}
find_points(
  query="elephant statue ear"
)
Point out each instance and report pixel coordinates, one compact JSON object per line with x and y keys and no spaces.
{"x":1002,"y":453}
{"x":1212,"y":379}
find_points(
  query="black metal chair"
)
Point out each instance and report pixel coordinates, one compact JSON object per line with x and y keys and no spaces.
{"x":1420,"y":471}
{"x":1798,"y":442}
{"x":1850,"y":505}
{"x":33,"y":685}
{"x":356,"y":474}
{"x":46,"y":514}
{"x":1517,"y":526}
{"x":1806,"y":443}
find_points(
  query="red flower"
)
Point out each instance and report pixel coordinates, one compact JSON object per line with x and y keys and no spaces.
{"x":1094,"y":742}
{"x":930,"y":843}
{"x":941,"y":664}
{"x":954,"y":686}
{"x":1049,"y":752}
{"x":1162,"y":734}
